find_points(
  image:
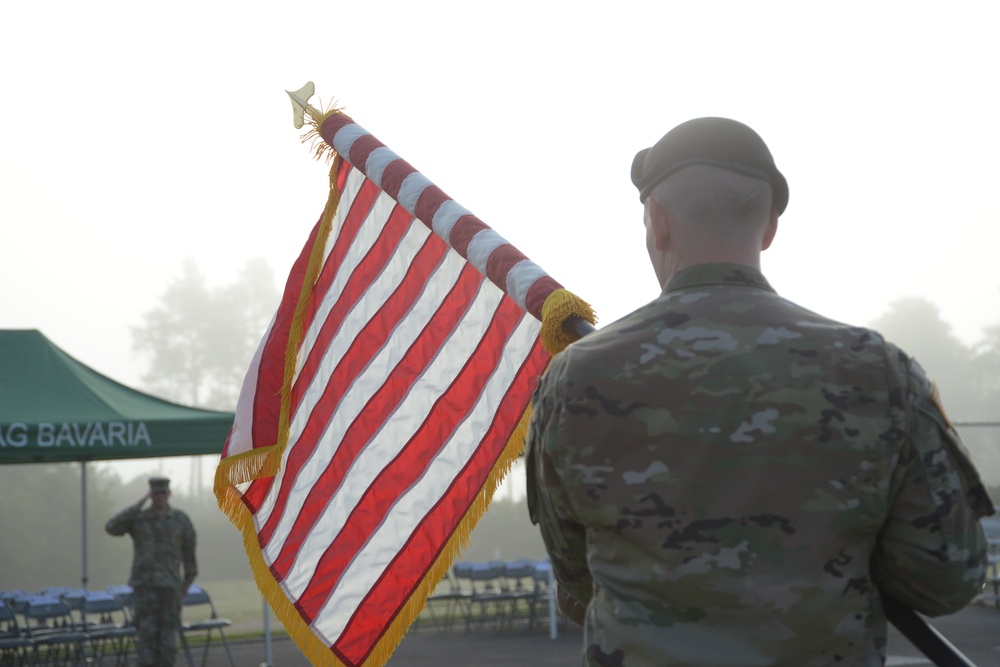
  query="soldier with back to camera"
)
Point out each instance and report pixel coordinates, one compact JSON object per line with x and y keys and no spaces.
{"x":723,"y":477}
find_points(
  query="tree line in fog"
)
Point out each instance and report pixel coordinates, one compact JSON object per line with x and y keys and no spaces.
{"x":197,"y":342}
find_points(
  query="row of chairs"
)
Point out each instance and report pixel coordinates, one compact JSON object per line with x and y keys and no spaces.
{"x":497,"y":594}
{"x":991,"y":526}
{"x":62,"y":626}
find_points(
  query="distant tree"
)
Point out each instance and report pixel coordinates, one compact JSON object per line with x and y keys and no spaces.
{"x":199,"y":341}
{"x":915,"y":325}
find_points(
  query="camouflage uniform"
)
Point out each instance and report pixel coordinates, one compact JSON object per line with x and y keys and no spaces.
{"x":725,"y":478}
{"x":162,"y":542}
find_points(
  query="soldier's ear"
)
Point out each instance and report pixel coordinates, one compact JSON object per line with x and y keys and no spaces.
{"x":659,"y":225}
{"x":770,"y":231}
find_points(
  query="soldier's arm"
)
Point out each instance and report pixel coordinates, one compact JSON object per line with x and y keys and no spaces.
{"x":548,"y":506}
{"x":122,"y":522}
{"x":188,"y":554}
{"x":931,"y":553}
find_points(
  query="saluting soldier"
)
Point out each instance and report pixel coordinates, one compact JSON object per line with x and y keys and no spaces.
{"x":163,"y":543}
{"x":723,"y":477}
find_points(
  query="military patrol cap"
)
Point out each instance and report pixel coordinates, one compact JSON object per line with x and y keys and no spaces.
{"x":719,"y":142}
{"x":159,"y":484}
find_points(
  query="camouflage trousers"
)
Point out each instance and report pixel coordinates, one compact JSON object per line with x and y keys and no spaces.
{"x":157,"y":621}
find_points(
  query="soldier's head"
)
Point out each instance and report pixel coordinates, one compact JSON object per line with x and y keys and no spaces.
{"x":159,"y":489}
{"x":711,"y":193}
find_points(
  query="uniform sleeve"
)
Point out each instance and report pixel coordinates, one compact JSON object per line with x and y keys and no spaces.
{"x":548,"y":505}
{"x":188,"y":555}
{"x":931,"y":553}
{"x":122,"y":523}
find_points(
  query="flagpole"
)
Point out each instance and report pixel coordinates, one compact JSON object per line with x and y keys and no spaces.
{"x":923,"y":635}
{"x":919,"y":632}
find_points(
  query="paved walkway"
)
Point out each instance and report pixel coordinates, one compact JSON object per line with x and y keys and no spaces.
{"x":975,"y":631}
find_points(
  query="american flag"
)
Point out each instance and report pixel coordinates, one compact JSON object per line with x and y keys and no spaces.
{"x":386,"y":402}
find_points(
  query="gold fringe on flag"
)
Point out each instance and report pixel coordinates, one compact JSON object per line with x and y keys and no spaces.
{"x":559,"y":306}
{"x":314,"y":118}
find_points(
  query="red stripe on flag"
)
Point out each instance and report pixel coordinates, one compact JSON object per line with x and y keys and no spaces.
{"x":449,"y":410}
{"x":417,"y":555}
{"x":343,"y":170}
{"x":500,"y":262}
{"x":537,"y":293}
{"x":393,"y":176}
{"x":361,"y":149}
{"x":463,"y":231}
{"x":332,"y":124}
{"x":428,"y":203}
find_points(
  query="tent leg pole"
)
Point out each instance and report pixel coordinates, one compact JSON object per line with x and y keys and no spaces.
{"x":83,"y":521}
{"x":267,"y":636}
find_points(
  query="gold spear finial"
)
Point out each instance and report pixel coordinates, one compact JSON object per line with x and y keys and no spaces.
{"x":300,"y":103}
{"x":306,"y":114}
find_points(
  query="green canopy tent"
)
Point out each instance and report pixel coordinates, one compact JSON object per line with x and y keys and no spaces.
{"x":54,"y":409}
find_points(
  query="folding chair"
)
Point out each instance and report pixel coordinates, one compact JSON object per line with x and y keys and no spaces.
{"x":992,"y":573}
{"x":545,"y":590}
{"x":198,"y":597}
{"x":73,"y":597}
{"x":485,"y":582}
{"x":15,"y":646}
{"x":108,"y":626}
{"x":450,"y":595}
{"x":16,"y":600}
{"x":991,"y":526}
{"x":123,"y":593}
{"x":55,"y":637}
{"x":519,"y":591}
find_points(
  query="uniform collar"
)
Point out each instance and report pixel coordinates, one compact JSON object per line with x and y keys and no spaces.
{"x":702,"y":275}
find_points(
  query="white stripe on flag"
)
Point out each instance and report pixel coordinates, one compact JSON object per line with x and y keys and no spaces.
{"x":346,"y":137}
{"x":411,"y":188}
{"x":446,"y":216}
{"x":482,"y":246}
{"x":376,"y":163}
{"x":520,"y":278}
